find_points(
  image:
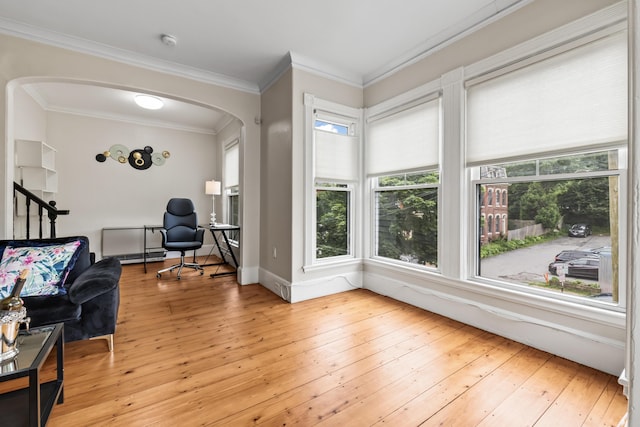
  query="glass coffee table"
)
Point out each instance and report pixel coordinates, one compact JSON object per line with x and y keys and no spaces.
{"x":32,"y":405}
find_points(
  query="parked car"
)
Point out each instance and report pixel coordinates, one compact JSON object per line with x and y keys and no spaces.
{"x":586,"y":268}
{"x":580,"y":230}
{"x":568,"y":255}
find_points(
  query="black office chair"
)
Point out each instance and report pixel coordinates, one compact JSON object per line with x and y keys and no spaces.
{"x":181,"y":233}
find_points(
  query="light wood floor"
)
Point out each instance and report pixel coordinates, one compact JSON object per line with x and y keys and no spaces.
{"x":204,"y":351}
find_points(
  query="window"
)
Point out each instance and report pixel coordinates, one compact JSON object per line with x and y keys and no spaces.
{"x":333,"y":206}
{"x":552,"y":133}
{"x":232,"y":187}
{"x":402,"y":160}
{"x":334,"y":179}
{"x":407,"y":218}
{"x":566,"y":190}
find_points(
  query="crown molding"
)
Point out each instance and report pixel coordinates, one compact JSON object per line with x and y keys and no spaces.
{"x":297,"y":61}
{"x":52,"y":38}
{"x":325,"y":70}
{"x":483,"y":17}
{"x":278,"y":71}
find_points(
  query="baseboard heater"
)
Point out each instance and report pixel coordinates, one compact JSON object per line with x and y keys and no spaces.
{"x":128,"y":244}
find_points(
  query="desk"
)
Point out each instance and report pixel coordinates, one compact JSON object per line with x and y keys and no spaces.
{"x":146,"y":249}
{"x":32,"y":405}
{"x":220,"y":232}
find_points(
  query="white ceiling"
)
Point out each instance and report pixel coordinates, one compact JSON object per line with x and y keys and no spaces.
{"x":116,"y":104}
{"x":245,"y":43}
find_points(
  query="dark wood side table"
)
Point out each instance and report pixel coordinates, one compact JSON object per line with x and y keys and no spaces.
{"x":31,"y":406}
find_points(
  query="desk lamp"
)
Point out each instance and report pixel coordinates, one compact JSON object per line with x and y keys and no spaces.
{"x":214,"y":188}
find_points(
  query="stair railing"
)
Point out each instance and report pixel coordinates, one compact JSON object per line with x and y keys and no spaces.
{"x":50,"y":207}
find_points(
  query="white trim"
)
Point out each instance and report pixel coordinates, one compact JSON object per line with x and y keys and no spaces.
{"x":313,"y":288}
{"x":331,"y":264}
{"x":480,"y":290}
{"x":604,"y":19}
{"x":424,"y":91}
{"x":354,"y":115}
{"x":328,"y":285}
{"x":275,"y":284}
{"x":325,"y":70}
{"x":452,"y":260}
{"x":488,"y":14}
{"x":632,"y":363}
{"x":248,"y":275}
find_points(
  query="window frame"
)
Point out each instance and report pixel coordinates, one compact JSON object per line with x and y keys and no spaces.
{"x":230,"y":191}
{"x":475,"y":227}
{"x":348,"y":188}
{"x":562,"y":39}
{"x":375,"y":190}
{"x":334,"y":113}
{"x":427,"y":93}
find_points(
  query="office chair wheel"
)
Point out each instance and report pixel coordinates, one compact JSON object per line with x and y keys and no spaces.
{"x":158,"y":275}
{"x":201,"y":272}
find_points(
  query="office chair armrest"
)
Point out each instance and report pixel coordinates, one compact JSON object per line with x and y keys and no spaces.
{"x":163,"y":233}
{"x":200,"y":234}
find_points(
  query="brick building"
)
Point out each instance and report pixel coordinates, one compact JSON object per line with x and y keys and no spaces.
{"x":494,"y":205}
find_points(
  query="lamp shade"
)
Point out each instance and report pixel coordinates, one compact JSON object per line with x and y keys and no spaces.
{"x":213,"y":187}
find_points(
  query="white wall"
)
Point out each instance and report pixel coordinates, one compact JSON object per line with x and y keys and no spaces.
{"x":30,"y":119}
{"x":283,"y":181}
{"x":275,"y":182}
{"x":30,"y":124}
{"x":112,"y":194}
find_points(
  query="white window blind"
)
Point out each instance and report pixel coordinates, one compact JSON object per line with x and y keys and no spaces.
{"x":336,"y":156}
{"x":574,"y":99}
{"x":407,"y":140}
{"x":232,"y":166}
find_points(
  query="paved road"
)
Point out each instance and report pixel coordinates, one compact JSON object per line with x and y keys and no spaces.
{"x":532,"y":262}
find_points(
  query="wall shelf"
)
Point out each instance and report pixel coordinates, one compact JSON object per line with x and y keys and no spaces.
{"x":35,"y":163}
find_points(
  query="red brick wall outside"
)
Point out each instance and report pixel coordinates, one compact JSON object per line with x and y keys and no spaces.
{"x":494,"y":211}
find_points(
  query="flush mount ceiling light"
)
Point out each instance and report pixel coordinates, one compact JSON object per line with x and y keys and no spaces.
{"x":149,"y":102}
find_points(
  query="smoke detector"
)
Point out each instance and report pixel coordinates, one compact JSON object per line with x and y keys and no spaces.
{"x":169,"y":40}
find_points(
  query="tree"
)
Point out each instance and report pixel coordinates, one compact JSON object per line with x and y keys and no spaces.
{"x":332,"y":237}
{"x":408,"y":225}
{"x":586,"y":200}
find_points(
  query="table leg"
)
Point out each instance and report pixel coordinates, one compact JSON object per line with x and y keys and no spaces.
{"x":60,"y":365}
{"x":34,"y":397}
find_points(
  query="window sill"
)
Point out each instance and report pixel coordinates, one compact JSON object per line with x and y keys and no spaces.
{"x":327,"y":265}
